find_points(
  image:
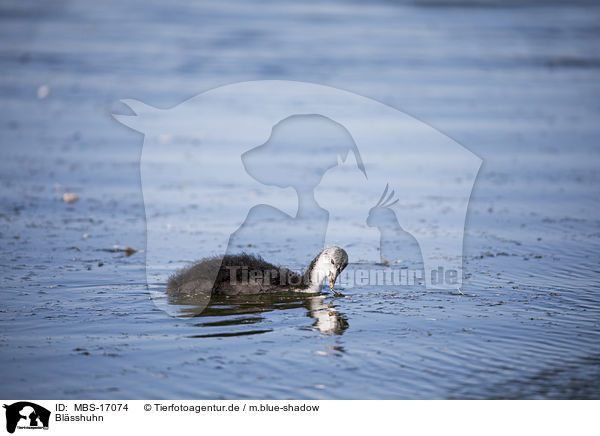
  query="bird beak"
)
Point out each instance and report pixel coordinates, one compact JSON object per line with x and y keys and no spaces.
{"x":331,"y":278}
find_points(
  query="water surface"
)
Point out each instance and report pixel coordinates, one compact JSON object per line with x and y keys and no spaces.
{"x":517,"y":85}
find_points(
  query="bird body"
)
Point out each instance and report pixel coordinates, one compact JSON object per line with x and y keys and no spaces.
{"x":245,"y":274}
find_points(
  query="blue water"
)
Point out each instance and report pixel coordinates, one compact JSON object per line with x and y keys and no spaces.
{"x":516,"y":84}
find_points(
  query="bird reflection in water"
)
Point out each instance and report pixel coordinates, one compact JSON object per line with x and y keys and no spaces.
{"x":242,"y":315}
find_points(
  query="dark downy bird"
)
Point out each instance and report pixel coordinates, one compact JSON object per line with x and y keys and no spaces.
{"x":245,"y":274}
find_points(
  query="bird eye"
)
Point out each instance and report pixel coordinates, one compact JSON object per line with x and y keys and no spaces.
{"x":332,"y":261}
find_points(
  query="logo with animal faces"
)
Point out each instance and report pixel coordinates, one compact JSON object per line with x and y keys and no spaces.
{"x":283,"y":169}
{"x":26,"y":415}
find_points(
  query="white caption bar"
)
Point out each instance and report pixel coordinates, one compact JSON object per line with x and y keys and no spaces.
{"x":24,"y":417}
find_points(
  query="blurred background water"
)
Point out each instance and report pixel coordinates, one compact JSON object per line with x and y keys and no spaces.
{"x":514,"y":82}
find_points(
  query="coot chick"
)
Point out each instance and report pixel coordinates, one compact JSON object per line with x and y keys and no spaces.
{"x":245,"y":274}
